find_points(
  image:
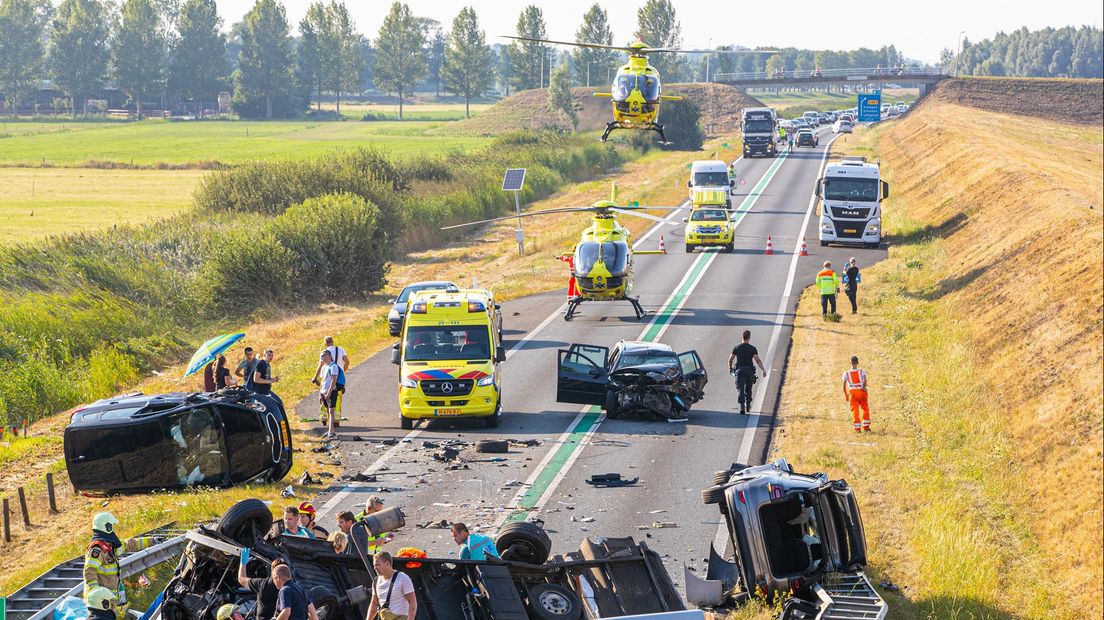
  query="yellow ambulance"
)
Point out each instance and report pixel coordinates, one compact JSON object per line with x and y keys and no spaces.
{"x":709,"y":223}
{"x":449,"y":357}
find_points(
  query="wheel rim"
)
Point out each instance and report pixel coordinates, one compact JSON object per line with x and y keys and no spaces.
{"x":554,"y":603}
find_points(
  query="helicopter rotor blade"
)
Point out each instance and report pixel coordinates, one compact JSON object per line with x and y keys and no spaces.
{"x":647,"y":216}
{"x":515,"y":216}
{"x":650,"y":50}
{"x":598,"y":46}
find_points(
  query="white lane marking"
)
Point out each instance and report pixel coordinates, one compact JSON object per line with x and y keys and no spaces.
{"x":538,"y":329}
{"x":720,"y":540}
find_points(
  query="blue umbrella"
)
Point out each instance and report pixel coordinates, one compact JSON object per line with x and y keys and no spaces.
{"x":209,"y":350}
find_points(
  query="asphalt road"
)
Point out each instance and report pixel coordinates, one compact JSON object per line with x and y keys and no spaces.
{"x":700,"y":301}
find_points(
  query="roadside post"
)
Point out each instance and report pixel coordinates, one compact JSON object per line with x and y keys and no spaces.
{"x":513,"y":182}
{"x":870,"y":107}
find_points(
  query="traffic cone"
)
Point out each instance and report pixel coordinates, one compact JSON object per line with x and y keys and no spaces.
{"x":662,"y":245}
{"x":770,"y":246}
{"x":804,"y":249}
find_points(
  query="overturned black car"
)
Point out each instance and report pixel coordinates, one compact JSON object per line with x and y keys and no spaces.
{"x":136,"y":442}
{"x":636,"y":377}
{"x":607,"y":577}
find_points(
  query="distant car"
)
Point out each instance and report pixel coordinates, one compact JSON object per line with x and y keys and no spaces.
{"x":847,"y":116}
{"x":635,"y":377}
{"x":786,"y":124}
{"x":842,"y":126}
{"x":891,"y":111}
{"x":800,"y":123}
{"x":806,"y":137}
{"x":902,"y":107}
{"x":170,"y":441}
{"x":812,"y":118}
{"x":398,"y":305}
{"x":824,"y":118}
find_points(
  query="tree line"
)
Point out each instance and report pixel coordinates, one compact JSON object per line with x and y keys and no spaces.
{"x":1050,"y":52}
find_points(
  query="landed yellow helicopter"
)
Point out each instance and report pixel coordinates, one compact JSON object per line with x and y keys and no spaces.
{"x":636,"y":89}
{"x":601,"y":262}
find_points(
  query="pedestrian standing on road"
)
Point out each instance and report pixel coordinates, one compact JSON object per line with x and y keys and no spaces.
{"x":851,"y":280}
{"x":291,"y":602}
{"x":245,"y":368}
{"x":341,"y":358}
{"x":854,"y":392}
{"x":740,"y":364}
{"x":392,"y":591}
{"x":263,"y":587}
{"x":333,"y":383}
{"x":473,"y":546}
{"x":828,"y":284}
{"x":223,"y":378}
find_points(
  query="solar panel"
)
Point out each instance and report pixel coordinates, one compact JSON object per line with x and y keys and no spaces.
{"x":514,"y":179}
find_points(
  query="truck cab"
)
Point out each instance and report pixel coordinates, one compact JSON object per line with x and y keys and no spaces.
{"x":711,"y":175}
{"x":851,"y":193}
{"x":449,"y":357}
{"x":758,"y":126}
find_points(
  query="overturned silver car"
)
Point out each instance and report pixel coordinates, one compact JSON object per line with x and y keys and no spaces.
{"x":790,"y":535}
{"x":635,"y":377}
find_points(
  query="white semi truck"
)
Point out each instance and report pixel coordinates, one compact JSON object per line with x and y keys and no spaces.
{"x":851,"y":194}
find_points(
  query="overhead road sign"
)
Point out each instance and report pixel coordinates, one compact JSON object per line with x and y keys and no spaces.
{"x":870,"y":107}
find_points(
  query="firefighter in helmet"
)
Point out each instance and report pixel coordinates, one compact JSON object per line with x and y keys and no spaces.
{"x":100,"y":603}
{"x":101,"y":560}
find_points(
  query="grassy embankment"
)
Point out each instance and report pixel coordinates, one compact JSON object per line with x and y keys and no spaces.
{"x":57,"y":177}
{"x":657,"y":178}
{"x":981,"y":484}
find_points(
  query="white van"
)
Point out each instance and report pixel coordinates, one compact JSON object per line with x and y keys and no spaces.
{"x":711,"y":175}
{"x":812,"y":118}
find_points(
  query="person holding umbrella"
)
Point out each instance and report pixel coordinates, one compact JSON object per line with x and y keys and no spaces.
{"x":206,"y":354}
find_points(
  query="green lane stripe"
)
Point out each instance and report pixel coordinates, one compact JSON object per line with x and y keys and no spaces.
{"x":529,"y":500}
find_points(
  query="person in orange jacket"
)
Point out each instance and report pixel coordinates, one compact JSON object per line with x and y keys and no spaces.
{"x":854,"y":392}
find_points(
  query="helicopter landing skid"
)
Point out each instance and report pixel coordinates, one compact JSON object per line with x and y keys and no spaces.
{"x":656,"y":127}
{"x":573,"y":305}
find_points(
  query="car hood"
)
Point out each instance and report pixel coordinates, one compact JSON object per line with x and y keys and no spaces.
{"x":645,"y":374}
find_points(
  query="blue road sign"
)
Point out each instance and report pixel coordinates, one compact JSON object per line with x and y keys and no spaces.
{"x":870,"y":107}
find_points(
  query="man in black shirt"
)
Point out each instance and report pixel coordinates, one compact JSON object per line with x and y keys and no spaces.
{"x":744,"y":354}
{"x":264,"y":588}
{"x":851,"y":279}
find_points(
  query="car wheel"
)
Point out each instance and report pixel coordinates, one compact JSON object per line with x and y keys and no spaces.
{"x":407,"y":423}
{"x":523,"y":541}
{"x":550,"y":601}
{"x":713,"y":495}
{"x":611,"y":405}
{"x":873,"y":246}
{"x":721,"y":477}
{"x":690,"y":247}
{"x":492,"y":446}
{"x":823,"y":244}
{"x":325,"y":602}
{"x":730,"y":248}
{"x":245,"y":522}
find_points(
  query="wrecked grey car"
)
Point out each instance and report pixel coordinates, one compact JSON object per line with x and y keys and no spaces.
{"x":606,"y":577}
{"x":636,"y":377}
{"x":792,"y":535}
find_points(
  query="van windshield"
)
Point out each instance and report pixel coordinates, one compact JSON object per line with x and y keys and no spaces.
{"x":854,"y":190}
{"x":447,"y":342}
{"x":711,"y":178}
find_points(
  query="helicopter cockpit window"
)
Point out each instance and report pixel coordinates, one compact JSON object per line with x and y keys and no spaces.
{"x":615,"y":254}
{"x":586,"y":254}
{"x":649,"y":87}
{"x":622,"y":86}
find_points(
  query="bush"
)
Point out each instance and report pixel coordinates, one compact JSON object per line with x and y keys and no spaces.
{"x":682,"y":123}
{"x":245,"y":270}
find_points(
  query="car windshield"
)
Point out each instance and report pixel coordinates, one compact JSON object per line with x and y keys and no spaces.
{"x":702,"y":179}
{"x":197,"y":443}
{"x":614,"y":255}
{"x":708,"y":215}
{"x":758,"y":126}
{"x":414,"y":288}
{"x":447,"y":342}
{"x":855,"y":190}
{"x":640,"y":358}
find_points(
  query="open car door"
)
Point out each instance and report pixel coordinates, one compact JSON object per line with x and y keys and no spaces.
{"x":694,"y":372}
{"x":581,"y":376}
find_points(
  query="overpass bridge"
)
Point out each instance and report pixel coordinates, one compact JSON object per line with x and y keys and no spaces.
{"x":860,"y":78}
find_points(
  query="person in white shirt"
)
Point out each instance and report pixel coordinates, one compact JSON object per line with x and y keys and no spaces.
{"x":338,"y":355}
{"x":392,"y":590}
{"x":328,"y":392}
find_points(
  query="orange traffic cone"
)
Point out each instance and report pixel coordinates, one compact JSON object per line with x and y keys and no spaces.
{"x":770,"y":246}
{"x":804,"y":249}
{"x":662,"y":245}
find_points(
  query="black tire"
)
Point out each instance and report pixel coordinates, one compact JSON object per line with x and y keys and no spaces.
{"x":245,"y":522}
{"x":823,"y":244}
{"x":493,"y":420}
{"x":325,"y":602}
{"x":550,"y":601}
{"x":407,"y":423}
{"x":690,"y":247}
{"x":712,"y":495}
{"x":523,"y":541}
{"x":721,"y":477}
{"x":873,"y":246}
{"x":612,"y":410}
{"x":492,"y":446}
{"x":730,"y":248}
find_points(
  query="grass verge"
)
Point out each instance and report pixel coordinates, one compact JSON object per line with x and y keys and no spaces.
{"x":981,"y":334}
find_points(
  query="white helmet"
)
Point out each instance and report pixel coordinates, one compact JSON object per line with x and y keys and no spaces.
{"x":99,"y":598}
{"x":104,"y":522}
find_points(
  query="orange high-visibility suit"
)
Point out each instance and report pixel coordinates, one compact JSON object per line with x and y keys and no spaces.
{"x":854,"y":391}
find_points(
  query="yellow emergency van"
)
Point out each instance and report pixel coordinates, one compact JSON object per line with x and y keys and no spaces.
{"x":449,"y":357}
{"x":709,"y":225}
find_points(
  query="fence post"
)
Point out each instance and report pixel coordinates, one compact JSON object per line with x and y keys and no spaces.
{"x":50,"y":494}
{"x":7,"y":521}
{"x":23,"y":508}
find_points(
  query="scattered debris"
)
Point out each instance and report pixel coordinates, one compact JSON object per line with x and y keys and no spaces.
{"x":889,"y":585}
{"x":656,"y":512}
{"x":286,"y":493}
{"x":389,"y":442}
{"x":306,"y":478}
{"x":361,"y":477}
{"x":325,"y":448}
{"x":357,"y":438}
{"x":610,"y":480}
{"x":430,"y":445}
{"x":325,"y":474}
{"x":446,"y":454}
{"x":582,"y":519}
{"x":658,"y":525}
{"x":443,"y":524}
{"x":493,"y":459}
{"x":528,"y":443}
{"x":611,"y":442}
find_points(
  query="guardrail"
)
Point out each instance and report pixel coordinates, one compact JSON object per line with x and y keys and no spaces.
{"x":857,"y":74}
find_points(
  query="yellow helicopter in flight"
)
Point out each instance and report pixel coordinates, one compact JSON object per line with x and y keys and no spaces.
{"x":601,"y":262}
{"x":636,"y":89}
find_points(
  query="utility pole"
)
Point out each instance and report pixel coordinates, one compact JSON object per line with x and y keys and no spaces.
{"x":958,"y":54}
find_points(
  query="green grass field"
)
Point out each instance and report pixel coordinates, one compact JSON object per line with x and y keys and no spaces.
{"x":417,"y":112}
{"x":150,"y":143}
{"x":39,"y":202}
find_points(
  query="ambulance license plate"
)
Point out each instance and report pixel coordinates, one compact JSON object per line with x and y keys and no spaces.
{"x":851,"y":231}
{"x":447,"y":412}
{"x":704,"y":237}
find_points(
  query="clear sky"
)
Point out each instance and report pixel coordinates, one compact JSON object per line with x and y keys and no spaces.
{"x":918,"y":29}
